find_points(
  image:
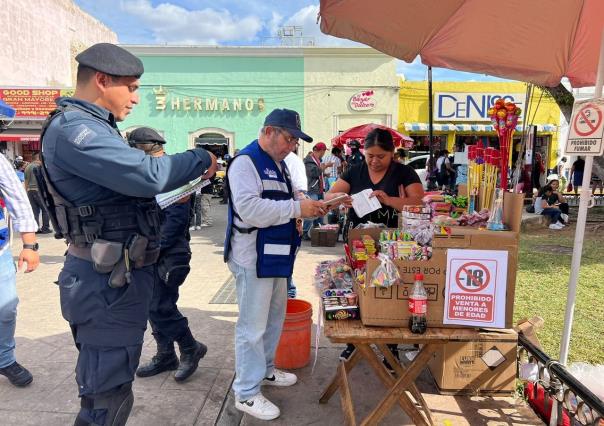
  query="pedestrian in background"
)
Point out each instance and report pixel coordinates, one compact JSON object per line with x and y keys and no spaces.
{"x":31,"y":186}
{"x":205,"y":204}
{"x":18,"y":207}
{"x":260,"y":247}
{"x":337,"y":164}
{"x":109,"y":189}
{"x":297,"y":173}
{"x":316,"y":182}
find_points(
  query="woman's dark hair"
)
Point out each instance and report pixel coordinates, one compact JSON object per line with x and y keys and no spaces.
{"x":543,"y":190}
{"x":380,"y":138}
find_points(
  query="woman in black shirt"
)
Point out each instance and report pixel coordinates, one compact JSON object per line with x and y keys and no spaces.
{"x":394,"y":185}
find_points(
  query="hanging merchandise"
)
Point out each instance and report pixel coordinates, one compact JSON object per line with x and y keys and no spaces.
{"x":495,"y":222}
{"x":504,"y":117}
{"x":492,"y":160}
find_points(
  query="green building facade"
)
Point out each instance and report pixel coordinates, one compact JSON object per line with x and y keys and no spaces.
{"x":217,"y":96}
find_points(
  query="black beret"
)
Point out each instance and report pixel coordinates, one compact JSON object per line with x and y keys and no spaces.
{"x":145,"y":135}
{"x":111,"y":59}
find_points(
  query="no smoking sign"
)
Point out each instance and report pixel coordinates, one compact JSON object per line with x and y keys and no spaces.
{"x":586,"y":133}
{"x":476,"y":287}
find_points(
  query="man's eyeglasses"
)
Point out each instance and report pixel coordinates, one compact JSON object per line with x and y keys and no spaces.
{"x":291,"y":140}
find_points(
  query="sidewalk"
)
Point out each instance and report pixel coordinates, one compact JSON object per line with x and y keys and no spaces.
{"x":45,"y":346}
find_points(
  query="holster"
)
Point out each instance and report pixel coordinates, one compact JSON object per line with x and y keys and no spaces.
{"x":105,"y":255}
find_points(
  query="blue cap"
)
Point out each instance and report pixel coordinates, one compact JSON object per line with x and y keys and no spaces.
{"x":288,"y":120}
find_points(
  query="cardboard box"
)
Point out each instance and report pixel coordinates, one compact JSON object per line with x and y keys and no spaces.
{"x":389,"y":306}
{"x":485,"y":366}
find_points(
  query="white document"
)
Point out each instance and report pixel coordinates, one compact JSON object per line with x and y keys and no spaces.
{"x":363,"y":204}
{"x":168,"y":198}
{"x":476,"y":288}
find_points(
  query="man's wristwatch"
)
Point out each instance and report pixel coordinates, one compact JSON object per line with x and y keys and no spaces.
{"x":33,"y":246}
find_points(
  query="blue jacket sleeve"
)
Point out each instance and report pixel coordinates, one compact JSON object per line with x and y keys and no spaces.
{"x":94,"y":153}
{"x":175,"y":224}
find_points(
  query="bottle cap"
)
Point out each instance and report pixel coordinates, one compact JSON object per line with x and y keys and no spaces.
{"x":419,"y":277}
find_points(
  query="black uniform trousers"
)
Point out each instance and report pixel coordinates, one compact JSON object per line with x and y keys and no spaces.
{"x":108,"y":324}
{"x":167,"y":323}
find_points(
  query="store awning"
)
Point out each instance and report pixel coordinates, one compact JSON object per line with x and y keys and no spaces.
{"x":211,"y":141}
{"x":438,"y":127}
{"x":19,"y":137}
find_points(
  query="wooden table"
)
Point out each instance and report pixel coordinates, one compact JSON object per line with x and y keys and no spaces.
{"x":401,"y":386}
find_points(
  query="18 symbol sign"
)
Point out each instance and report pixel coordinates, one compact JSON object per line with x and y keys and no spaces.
{"x":473,"y":277}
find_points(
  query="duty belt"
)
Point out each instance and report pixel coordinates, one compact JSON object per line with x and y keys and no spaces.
{"x":84,"y":253}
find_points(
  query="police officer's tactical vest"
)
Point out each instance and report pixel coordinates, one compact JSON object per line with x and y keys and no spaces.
{"x":276,"y":246}
{"x":82,"y":225}
{"x":4,"y":235}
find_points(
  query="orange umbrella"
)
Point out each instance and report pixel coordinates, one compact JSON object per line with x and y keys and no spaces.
{"x":359,"y":133}
{"x":505,"y":39}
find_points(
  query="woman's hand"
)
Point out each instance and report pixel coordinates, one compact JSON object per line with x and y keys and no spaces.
{"x":346,"y":202}
{"x":382,"y":197}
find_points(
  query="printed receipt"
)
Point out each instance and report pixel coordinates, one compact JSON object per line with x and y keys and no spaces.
{"x":363,"y":204}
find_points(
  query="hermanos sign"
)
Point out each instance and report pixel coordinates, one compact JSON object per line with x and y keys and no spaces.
{"x":167,"y":102}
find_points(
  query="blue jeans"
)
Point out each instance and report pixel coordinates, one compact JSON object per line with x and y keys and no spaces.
{"x":262,"y":303}
{"x":8,"y":308}
{"x":292,"y":290}
{"x":554,"y":214}
{"x":311,"y":223}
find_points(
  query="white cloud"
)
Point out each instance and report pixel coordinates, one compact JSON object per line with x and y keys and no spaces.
{"x":174,"y":24}
{"x":307,"y":18}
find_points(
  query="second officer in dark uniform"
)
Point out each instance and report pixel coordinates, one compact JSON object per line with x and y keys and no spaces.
{"x":101,"y":192}
{"x":168,"y":324}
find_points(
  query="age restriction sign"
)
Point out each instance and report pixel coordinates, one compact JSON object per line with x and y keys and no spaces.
{"x":586,"y":132}
{"x":476,"y":288}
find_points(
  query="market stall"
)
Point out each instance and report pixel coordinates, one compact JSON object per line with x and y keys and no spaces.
{"x":467,"y":276}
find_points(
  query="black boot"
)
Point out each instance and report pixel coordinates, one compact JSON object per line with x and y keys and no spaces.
{"x":164,"y":360}
{"x":108,"y":408}
{"x":191,"y":351}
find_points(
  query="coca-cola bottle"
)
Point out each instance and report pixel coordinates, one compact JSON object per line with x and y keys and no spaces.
{"x":418,"y":306}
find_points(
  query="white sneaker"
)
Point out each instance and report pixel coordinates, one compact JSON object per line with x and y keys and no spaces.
{"x":557,"y":226}
{"x":198,"y":227}
{"x":205,"y":225}
{"x":280,"y":378}
{"x":192,"y":228}
{"x":259,"y":407}
{"x":564,"y":217}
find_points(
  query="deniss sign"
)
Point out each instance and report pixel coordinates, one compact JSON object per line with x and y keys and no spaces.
{"x":586,"y":133}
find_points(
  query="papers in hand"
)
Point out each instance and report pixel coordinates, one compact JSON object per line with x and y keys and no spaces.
{"x":168,"y":198}
{"x":363,"y":204}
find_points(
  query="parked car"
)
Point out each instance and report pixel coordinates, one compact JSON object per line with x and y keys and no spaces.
{"x":419,"y":164}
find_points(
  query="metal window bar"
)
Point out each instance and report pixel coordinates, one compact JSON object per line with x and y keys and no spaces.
{"x":577,"y":401}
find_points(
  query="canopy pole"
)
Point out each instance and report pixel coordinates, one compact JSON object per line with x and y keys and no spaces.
{"x":430,"y":122}
{"x":584,"y":204}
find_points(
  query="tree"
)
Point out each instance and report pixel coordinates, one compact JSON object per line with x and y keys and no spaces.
{"x":565,"y":100}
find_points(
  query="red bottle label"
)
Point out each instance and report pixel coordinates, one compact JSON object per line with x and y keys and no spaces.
{"x":418,"y":306}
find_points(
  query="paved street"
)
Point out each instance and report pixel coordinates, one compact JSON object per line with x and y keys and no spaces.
{"x":45,"y":346}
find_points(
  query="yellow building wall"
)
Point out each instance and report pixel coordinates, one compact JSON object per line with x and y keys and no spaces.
{"x":413,"y":106}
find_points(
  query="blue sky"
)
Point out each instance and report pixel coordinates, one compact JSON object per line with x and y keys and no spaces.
{"x":230,"y":22}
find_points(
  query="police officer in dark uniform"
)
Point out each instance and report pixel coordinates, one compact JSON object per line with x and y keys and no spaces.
{"x":100,"y":192}
{"x":355,"y":157}
{"x":168,"y":324}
